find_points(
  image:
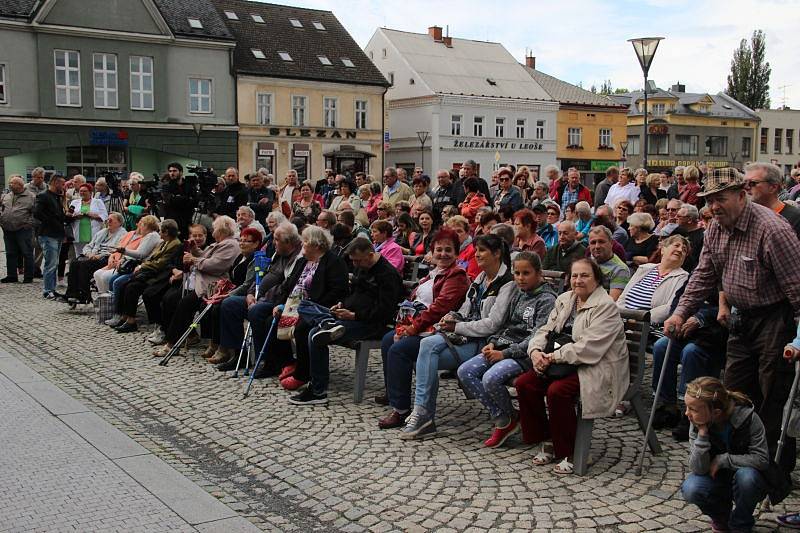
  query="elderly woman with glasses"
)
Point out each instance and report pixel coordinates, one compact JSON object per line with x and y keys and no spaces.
{"x":622,"y":209}
{"x":642,"y":243}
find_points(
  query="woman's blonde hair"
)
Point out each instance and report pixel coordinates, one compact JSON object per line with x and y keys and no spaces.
{"x":653,"y":180}
{"x":226,"y":224}
{"x":713,"y":392}
{"x":150,"y":222}
{"x":458,"y":220}
{"x":691,"y":172}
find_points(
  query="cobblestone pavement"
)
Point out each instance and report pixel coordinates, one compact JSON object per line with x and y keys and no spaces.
{"x":299,"y":468}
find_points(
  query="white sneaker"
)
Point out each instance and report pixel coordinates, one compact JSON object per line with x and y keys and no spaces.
{"x":157,"y":337}
{"x":113,"y":320}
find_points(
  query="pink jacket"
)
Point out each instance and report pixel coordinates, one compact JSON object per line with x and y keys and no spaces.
{"x":393,"y":253}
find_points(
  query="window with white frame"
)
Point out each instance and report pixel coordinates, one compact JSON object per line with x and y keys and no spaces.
{"x":361,"y":114}
{"x":258,"y":19}
{"x":195,"y":24}
{"x":329,"y":112}
{"x":319,"y":25}
{"x":605,"y":137}
{"x":521,"y":123}
{"x":574,"y":136}
{"x":231,"y":15}
{"x":324,"y":60}
{"x":142,"y":83}
{"x":540,"y":129}
{"x":657,"y":110}
{"x":477,"y":127}
{"x":455,"y":125}
{"x":105,"y":81}
{"x":68,"y":78}
{"x":296,"y":23}
{"x":633,"y":145}
{"x":199,"y":95}
{"x":299,"y":110}
{"x":500,"y":127}
{"x":348,"y":63}
{"x":264,"y":108}
{"x":3,"y":85}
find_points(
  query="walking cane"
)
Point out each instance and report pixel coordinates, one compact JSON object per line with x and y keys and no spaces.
{"x":193,"y":326}
{"x":653,"y":410}
{"x":261,"y":262}
{"x":261,"y":353}
{"x":787,"y":415}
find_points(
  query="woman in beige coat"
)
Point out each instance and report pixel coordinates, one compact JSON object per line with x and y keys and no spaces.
{"x":599,"y":351}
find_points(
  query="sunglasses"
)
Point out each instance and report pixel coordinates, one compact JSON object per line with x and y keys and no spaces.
{"x":552,"y":214}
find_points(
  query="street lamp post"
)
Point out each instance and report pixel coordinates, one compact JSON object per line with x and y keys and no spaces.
{"x":645,"y":48}
{"x":623,"y":146}
{"x":423,"y":137}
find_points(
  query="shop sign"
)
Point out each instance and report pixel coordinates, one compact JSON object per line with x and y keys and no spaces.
{"x":319,"y":134}
{"x":679,"y":163}
{"x":302,"y":153}
{"x":658,"y":129}
{"x":266,"y":152}
{"x":602,"y":166}
{"x":108,"y":137}
{"x":494,"y":145}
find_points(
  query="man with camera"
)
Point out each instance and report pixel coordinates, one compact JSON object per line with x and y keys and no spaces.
{"x":178,"y":198}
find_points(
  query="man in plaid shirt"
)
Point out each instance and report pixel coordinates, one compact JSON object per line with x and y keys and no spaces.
{"x":753,"y":255}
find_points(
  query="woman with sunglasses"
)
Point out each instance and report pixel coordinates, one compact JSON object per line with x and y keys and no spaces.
{"x":507,"y":193}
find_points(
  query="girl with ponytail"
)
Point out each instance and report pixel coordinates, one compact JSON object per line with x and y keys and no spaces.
{"x":728,"y":455}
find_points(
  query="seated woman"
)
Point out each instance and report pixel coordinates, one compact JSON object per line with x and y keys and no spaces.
{"x":466,"y":249}
{"x":319,"y":276}
{"x":527,"y":240}
{"x":473,"y":322}
{"x":273,"y":219}
{"x":642,"y":243}
{"x":158,"y":262}
{"x":437,"y":294}
{"x":405,"y":226}
{"x":207,"y":268}
{"x":653,"y":286}
{"x":622,"y":210}
{"x":373,"y":200}
{"x":242,"y":274}
{"x":507,"y":193}
{"x":421,"y":240}
{"x":383,"y":241}
{"x":583,"y":222}
{"x":598,"y":352}
{"x":505,"y":355}
{"x":728,"y":455}
{"x":420,"y":199}
{"x":306,"y":206}
{"x":473,"y":201}
{"x":346,"y":195}
{"x":94,"y":256}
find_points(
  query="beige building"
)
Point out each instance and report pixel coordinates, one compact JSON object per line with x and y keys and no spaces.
{"x":777,"y":141}
{"x":308,"y":98}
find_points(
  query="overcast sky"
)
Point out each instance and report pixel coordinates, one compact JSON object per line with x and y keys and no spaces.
{"x":585,"y":40}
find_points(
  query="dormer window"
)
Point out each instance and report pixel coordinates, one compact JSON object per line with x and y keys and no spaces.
{"x":257,"y":18}
{"x":195,"y":23}
{"x":347,"y":63}
{"x":285,"y":56}
{"x":296,"y":23}
{"x":318,"y":25}
{"x":231,"y":15}
{"x":258,"y":54}
{"x":324,"y":60}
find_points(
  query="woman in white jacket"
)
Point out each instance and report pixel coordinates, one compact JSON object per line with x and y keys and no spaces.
{"x":88,"y":215}
{"x":653,"y":286}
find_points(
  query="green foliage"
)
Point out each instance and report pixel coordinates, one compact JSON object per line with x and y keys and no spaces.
{"x":748,"y":81}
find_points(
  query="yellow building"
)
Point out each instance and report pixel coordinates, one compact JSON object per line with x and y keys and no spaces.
{"x":589,"y":126}
{"x":689,"y":129}
{"x":308,"y":98}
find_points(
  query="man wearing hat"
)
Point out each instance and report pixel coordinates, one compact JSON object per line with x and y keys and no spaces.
{"x":753,"y":255}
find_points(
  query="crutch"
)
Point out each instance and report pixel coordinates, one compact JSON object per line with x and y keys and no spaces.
{"x":262,"y":263}
{"x":193,"y":326}
{"x":787,"y":415}
{"x":649,"y":427}
{"x":261,"y":353}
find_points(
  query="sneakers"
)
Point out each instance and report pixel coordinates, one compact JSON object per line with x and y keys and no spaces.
{"x":157,"y":337}
{"x":309,"y":397}
{"x":331,"y":334}
{"x":791,"y":520}
{"x":49,"y":295}
{"x":113,"y":321}
{"x":419,"y":424}
{"x":499,"y":435}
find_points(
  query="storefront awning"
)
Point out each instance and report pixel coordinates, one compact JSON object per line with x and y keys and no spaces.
{"x":349,"y":154}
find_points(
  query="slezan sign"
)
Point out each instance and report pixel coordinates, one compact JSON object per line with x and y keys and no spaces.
{"x":303,"y":132}
{"x":494,"y":145}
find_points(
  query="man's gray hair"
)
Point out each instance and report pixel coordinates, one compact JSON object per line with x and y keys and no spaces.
{"x":118,"y":216}
{"x":316,"y":236}
{"x":470,"y":163}
{"x":604,"y":230}
{"x":691,"y":212}
{"x":247,"y":209}
{"x":550,"y":168}
{"x":583,"y":207}
{"x":542,"y":185}
{"x":37,"y":170}
{"x":391,"y":170}
{"x":566,"y":224}
{"x":772,"y":174}
{"x":287,"y":232}
{"x":277,"y":217}
{"x":505,"y":232}
{"x":678,"y":169}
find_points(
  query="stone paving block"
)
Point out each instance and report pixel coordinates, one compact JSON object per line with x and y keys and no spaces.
{"x":236,"y":524}
{"x":52,"y":398}
{"x":18,"y":372}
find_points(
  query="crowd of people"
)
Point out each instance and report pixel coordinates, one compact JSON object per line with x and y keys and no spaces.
{"x":451,"y":277}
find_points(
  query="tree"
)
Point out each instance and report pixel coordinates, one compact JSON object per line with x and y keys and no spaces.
{"x":748,"y":81}
{"x":593,"y":88}
{"x":621,"y":90}
{"x":605,"y":88}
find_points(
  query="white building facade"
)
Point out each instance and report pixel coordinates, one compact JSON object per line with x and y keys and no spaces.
{"x":466,"y":99}
{"x":778,"y":139}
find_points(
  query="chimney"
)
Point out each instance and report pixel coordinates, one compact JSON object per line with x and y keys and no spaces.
{"x":448,"y":42}
{"x":678,"y":88}
{"x":530,"y":61}
{"x":436,"y":33}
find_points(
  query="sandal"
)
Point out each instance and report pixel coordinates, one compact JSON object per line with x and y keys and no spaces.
{"x":545,"y":455}
{"x":564,"y":468}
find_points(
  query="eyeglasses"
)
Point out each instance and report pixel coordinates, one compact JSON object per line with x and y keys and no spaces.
{"x":671,"y":209}
{"x":552,"y":214}
{"x":752,"y":183}
{"x":505,"y":179}
{"x":246,"y":241}
{"x":382,"y":209}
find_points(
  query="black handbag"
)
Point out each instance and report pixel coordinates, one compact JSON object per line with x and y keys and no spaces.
{"x":128,"y":266}
{"x":558,"y":370}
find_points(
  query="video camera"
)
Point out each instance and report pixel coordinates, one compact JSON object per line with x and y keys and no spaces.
{"x":113,"y":180}
{"x":205,"y":179}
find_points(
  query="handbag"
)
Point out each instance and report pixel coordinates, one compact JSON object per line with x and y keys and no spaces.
{"x":289,"y":318}
{"x":128,"y":266}
{"x":555,"y":340}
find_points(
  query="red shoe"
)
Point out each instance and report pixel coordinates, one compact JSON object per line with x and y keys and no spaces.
{"x":291,"y":383}
{"x":499,"y":435}
{"x":287,"y":371}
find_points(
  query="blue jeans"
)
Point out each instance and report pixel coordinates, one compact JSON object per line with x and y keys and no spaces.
{"x":117,"y":284}
{"x":488,"y":383}
{"x":744,"y":488}
{"x":319,"y":356}
{"x":51,"y":248}
{"x":233,"y":312}
{"x":19,"y":245}
{"x":398,"y":365}
{"x":435,"y":355}
{"x":695,"y":362}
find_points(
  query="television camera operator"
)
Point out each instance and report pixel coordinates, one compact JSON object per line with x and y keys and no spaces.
{"x":178,"y":198}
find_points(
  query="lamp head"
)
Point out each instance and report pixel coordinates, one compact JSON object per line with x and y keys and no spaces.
{"x":645,"y":48}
